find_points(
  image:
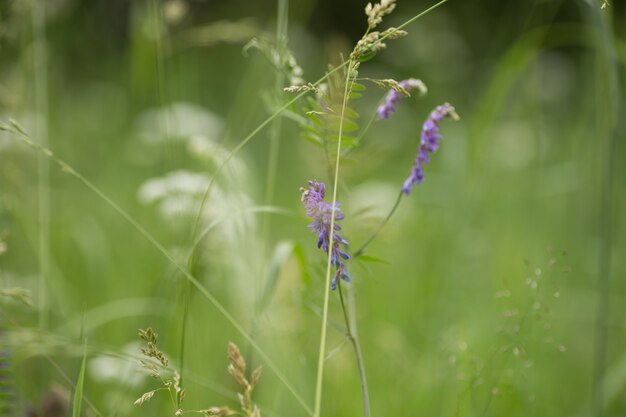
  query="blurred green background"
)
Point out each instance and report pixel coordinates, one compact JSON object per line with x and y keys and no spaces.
{"x":499,"y":290}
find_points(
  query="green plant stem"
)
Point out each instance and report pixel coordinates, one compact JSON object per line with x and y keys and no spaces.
{"x":186,"y":296}
{"x":320,"y":365}
{"x":282,"y":14}
{"x":165,"y":127}
{"x":361,"y":249}
{"x":354,"y":339}
{"x":607,"y":107}
{"x":276,"y":128}
{"x":43,"y":165}
{"x":159,"y":70}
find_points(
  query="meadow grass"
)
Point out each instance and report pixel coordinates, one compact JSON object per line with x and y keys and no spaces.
{"x":448,"y":317}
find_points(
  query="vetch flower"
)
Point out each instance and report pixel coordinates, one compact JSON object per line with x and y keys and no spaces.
{"x":388,"y":107}
{"x":429,"y":143}
{"x":321,"y":212}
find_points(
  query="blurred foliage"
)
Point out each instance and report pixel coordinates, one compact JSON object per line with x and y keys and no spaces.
{"x":500,"y":290}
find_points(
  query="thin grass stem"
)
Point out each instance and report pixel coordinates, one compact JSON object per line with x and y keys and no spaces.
{"x":607,"y":107}
{"x":282,"y":20}
{"x":354,"y":339}
{"x":320,"y":366}
{"x":40,"y":59}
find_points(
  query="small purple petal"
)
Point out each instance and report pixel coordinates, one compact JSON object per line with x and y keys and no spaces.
{"x":429,"y":143}
{"x":321,"y":213}
{"x":388,"y":107}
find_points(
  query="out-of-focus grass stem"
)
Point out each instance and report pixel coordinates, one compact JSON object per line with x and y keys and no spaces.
{"x":43,"y":164}
{"x":282,"y":20}
{"x":276,"y":128}
{"x":607,"y":108}
{"x":354,"y":339}
{"x":165,"y":130}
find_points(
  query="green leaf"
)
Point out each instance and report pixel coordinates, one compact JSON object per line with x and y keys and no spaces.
{"x":300,"y":257}
{"x":313,"y":139}
{"x":78,"y":392}
{"x":293,"y":116}
{"x":348,"y":125}
{"x":281,"y":255}
{"x":366,"y":56}
{"x":351,"y":113}
{"x":345,"y":140}
{"x":311,"y":129}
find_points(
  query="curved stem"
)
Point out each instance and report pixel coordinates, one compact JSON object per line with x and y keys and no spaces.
{"x":354,"y":339}
{"x":361,"y":249}
{"x":40,"y":85}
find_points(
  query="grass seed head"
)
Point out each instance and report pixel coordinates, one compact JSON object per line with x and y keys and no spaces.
{"x":376,"y":12}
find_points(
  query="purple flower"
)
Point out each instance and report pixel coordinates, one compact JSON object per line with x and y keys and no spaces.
{"x":429,"y":143}
{"x":388,"y":107}
{"x":321,"y":212}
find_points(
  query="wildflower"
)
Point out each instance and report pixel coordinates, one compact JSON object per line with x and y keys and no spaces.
{"x":429,"y":143}
{"x":321,"y":212}
{"x":388,"y":107}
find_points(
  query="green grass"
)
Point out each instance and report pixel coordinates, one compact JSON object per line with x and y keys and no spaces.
{"x":448,"y":322}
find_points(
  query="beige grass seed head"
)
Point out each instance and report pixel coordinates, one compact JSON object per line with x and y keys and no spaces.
{"x":376,"y":12}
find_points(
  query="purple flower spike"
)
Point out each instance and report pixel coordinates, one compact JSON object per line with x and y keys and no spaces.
{"x":321,"y":212}
{"x":388,"y":107}
{"x":429,"y":143}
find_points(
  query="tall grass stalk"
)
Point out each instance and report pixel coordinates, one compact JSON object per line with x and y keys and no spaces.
{"x":322,"y":351}
{"x":282,"y":19}
{"x":43,"y":164}
{"x":276,"y":128}
{"x":155,"y":14}
{"x":608,"y":104}
{"x":78,"y":391}
{"x":159,"y":70}
{"x":350,"y":319}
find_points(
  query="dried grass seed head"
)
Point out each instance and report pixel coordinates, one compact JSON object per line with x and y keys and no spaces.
{"x":218,"y":412}
{"x":376,"y":12}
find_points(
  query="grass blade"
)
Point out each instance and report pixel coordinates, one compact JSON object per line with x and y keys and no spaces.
{"x":78,"y":392}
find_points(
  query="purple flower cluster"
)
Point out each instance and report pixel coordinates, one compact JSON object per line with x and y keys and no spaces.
{"x":388,"y":107}
{"x":429,"y":143}
{"x":321,"y":212}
